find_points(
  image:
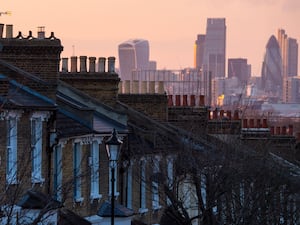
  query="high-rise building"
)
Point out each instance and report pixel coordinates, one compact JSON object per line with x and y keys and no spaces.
{"x":291,"y":92}
{"x":272,"y":78}
{"x":214,"y":58}
{"x":133,"y":55}
{"x":238,"y":67}
{"x":199,"y":51}
{"x":289,"y":53}
{"x":292,"y":64}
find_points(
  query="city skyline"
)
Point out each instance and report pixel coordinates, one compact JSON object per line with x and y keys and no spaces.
{"x":97,"y":27}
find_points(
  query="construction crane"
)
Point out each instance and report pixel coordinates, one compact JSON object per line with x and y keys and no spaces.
{"x":5,"y":13}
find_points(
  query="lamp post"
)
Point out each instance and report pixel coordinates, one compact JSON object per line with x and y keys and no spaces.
{"x":113,"y":147}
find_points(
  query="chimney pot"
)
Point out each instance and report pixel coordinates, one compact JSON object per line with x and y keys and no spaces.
{"x":228,"y":114}
{"x":64,"y":65}
{"x":251,"y":123}
{"x":291,"y":130}
{"x":245,"y":123}
{"x":73,"y":64}
{"x":82,"y":60}
{"x":92,"y":65}
{"x":215,"y":114}
{"x":221,"y":113}
{"x":9,"y":31}
{"x":1,"y":30}
{"x":111,"y":64}
{"x":184,"y":100}
{"x":193,"y":101}
{"x":101,"y":64}
{"x":278,"y":130}
{"x":265,"y":125}
{"x":283,"y":130}
{"x":236,"y":115}
{"x":170,"y":100}
{"x":272,"y":130}
{"x":177,"y":100}
{"x":258,"y":123}
{"x":202,"y":100}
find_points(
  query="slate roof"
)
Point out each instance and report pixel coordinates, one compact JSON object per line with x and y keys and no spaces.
{"x":67,"y":217}
{"x":20,"y":96}
{"x":120,"y":210}
{"x":69,"y":125}
{"x":98,"y":117}
{"x":38,"y":200}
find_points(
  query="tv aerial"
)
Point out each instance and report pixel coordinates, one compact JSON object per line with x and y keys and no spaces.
{"x":5,"y":13}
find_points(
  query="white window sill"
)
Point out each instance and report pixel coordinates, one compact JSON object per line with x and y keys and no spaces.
{"x":116,"y":194}
{"x":143,"y":210}
{"x":14,"y":182}
{"x":78,"y":199}
{"x":95,"y":197}
{"x":158,"y":207}
{"x":37,"y":180}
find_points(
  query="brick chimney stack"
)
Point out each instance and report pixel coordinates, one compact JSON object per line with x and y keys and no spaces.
{"x":41,"y":57}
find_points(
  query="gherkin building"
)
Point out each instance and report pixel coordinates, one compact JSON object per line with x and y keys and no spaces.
{"x":272,"y":79}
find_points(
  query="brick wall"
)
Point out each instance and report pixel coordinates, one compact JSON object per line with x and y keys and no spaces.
{"x":153,"y":105}
{"x":37,"y":56}
{"x":189,"y":118}
{"x":101,"y":86}
{"x":24,"y":166}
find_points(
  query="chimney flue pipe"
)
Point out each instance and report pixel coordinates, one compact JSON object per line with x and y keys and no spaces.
{"x":101,"y":64}
{"x":111,"y":64}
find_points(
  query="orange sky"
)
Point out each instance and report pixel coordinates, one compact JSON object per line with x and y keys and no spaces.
{"x":96,"y":27}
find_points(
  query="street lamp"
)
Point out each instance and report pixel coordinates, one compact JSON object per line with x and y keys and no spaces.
{"x":113,"y":147}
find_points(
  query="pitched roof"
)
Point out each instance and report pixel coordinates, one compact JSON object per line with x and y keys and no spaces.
{"x":21,"y":96}
{"x":67,"y":217}
{"x":119,"y":210}
{"x":97,"y":116}
{"x":38,"y":200}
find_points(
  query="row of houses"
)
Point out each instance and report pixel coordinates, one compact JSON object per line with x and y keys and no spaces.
{"x":53,"y":163}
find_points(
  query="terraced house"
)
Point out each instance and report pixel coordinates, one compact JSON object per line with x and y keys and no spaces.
{"x":177,"y":166}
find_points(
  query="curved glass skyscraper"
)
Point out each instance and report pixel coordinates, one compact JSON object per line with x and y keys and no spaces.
{"x":272,"y":79}
{"x":133,"y":55}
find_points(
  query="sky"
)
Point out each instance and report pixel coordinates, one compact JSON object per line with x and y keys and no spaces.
{"x":97,"y":27}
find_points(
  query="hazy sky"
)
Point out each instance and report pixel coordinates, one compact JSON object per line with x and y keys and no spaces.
{"x":96,"y":27}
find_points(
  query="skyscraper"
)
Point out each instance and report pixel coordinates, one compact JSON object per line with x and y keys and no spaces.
{"x":272,"y":79}
{"x":133,"y":55}
{"x":238,"y":68}
{"x":289,"y":53}
{"x":292,"y":64}
{"x":215,"y":47}
{"x":199,"y":51}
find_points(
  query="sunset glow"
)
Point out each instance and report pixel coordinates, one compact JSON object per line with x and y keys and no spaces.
{"x":96,"y":27}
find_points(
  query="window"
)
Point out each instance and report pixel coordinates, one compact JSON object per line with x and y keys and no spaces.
{"x":129,"y":186}
{"x":11,"y":146}
{"x":143,"y":208}
{"x":57,"y":181}
{"x":155,"y":182}
{"x":94,"y":166}
{"x":77,"y":172}
{"x":170,"y":174}
{"x":36,"y":146}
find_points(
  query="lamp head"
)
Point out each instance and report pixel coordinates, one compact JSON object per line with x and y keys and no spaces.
{"x":113,"y":146}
